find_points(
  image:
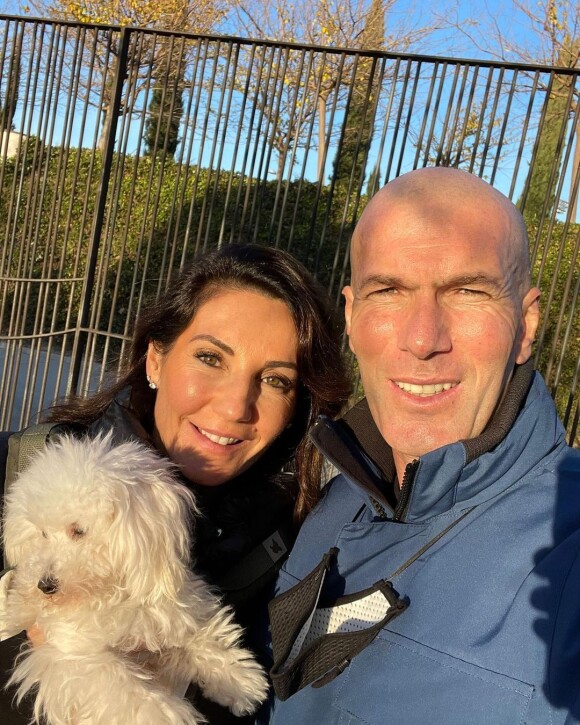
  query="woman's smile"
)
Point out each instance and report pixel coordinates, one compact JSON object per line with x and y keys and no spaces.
{"x":221,"y":440}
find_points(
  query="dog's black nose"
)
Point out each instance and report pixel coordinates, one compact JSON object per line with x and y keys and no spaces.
{"x":48,"y":585}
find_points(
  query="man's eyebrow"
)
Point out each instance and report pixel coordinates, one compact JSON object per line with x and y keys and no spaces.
{"x":473,"y":279}
{"x":382,"y":280}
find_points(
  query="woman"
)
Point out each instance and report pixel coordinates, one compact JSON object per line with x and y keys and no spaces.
{"x":225,"y":375}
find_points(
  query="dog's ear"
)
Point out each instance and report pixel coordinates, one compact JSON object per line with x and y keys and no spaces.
{"x":18,"y":534}
{"x":149,"y":535}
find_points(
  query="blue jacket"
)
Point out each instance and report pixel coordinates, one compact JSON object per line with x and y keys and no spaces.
{"x":491,"y":633}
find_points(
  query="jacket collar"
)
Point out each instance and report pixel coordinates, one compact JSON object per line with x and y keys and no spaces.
{"x":522,"y":430}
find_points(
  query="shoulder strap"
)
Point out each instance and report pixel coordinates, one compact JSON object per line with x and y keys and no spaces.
{"x":22,"y":446}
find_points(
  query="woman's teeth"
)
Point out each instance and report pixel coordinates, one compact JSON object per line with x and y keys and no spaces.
{"x":222,"y":441}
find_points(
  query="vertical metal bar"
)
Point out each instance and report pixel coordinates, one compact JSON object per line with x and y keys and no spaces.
{"x":102,"y":192}
{"x":523,"y":135}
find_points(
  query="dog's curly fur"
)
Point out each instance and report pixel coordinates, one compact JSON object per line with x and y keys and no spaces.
{"x":99,"y":537}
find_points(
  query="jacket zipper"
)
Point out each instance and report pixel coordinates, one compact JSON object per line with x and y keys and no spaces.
{"x":408,"y":478}
{"x":379,"y":509}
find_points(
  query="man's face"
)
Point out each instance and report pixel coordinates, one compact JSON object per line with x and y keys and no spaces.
{"x":436,"y":321}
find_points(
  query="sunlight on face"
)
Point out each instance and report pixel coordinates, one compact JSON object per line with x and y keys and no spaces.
{"x":436,"y":321}
{"x":227,"y":386}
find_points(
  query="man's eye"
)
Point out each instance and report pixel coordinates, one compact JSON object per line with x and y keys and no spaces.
{"x":209,"y":358}
{"x":468,"y":291}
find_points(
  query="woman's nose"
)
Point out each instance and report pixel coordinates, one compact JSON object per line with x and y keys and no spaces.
{"x":236,"y":401}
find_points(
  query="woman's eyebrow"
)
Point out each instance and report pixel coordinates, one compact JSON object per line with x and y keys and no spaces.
{"x":281,"y":364}
{"x":228,"y":350}
{"x":218,"y":343}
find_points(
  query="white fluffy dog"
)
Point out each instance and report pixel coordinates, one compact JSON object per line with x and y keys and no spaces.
{"x":98,"y":535}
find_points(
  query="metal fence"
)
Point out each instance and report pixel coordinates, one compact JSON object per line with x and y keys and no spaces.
{"x":126,"y":152}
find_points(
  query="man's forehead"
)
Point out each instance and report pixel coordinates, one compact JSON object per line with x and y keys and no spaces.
{"x":401,"y":235}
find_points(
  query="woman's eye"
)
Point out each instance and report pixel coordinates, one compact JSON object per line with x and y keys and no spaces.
{"x":278,"y":381}
{"x":209,"y":358}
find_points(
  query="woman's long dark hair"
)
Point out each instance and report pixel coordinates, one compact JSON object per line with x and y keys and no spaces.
{"x":324,"y":382}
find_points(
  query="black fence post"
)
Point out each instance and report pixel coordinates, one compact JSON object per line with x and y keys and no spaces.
{"x":100,"y":207}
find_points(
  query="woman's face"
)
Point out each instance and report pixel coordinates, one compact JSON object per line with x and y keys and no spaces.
{"x":227,"y":387}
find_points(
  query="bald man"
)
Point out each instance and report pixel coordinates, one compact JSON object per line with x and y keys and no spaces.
{"x":438,"y":580}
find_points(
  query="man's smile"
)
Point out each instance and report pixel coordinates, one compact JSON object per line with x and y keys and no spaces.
{"x":424,"y":390}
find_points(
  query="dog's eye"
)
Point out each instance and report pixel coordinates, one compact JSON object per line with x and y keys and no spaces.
{"x":76,"y":532}
{"x":44,"y":535}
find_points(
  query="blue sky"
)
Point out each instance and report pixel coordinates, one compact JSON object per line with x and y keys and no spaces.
{"x":450,"y":41}
{"x":464,"y":18}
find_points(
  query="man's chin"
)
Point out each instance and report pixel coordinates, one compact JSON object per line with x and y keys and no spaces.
{"x":412,"y":443}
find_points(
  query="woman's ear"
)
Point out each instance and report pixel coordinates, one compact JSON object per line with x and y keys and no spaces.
{"x":153,"y":362}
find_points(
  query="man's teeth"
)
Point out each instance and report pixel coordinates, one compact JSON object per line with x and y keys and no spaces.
{"x":218,"y":439}
{"x":424,"y":390}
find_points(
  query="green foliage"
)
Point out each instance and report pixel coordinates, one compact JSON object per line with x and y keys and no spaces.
{"x":555,"y":271}
{"x":545,"y":167}
{"x":161,"y":214}
{"x":165,"y":112}
{"x":350,"y":161}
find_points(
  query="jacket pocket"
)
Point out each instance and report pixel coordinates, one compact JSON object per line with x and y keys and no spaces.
{"x":414,"y":684}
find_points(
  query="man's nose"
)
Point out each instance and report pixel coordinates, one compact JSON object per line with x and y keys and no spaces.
{"x":236,"y":400}
{"x":425,"y":330}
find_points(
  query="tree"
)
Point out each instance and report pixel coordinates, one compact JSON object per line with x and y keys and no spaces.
{"x":552,"y":38}
{"x":350,"y":24}
{"x":165,"y":109}
{"x":11,"y":87}
{"x":198,"y":16}
{"x":471,"y":136}
{"x":540,"y":190}
{"x":358,"y":124}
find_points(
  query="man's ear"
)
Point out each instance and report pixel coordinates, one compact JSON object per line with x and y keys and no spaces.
{"x":153,"y":362}
{"x":529,"y":325}
{"x":349,"y":301}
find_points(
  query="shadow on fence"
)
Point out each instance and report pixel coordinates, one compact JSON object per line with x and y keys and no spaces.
{"x":126,"y":152}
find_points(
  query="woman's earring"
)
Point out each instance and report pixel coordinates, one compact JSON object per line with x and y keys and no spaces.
{"x":152,"y":385}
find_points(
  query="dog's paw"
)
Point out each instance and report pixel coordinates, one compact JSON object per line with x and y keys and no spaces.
{"x":248,"y":687}
{"x":165,"y":710}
